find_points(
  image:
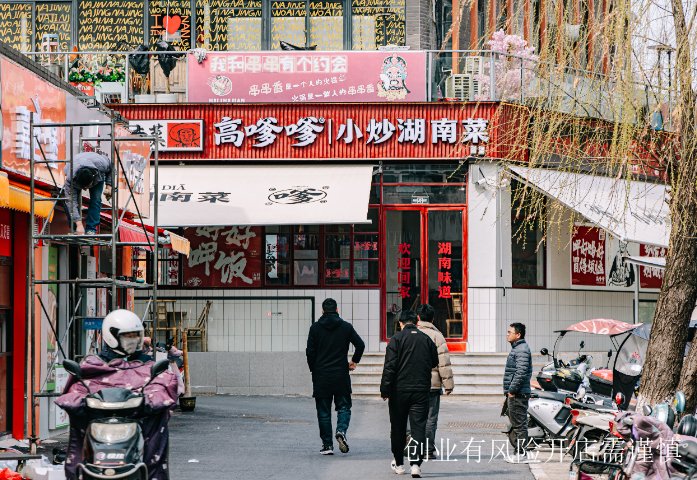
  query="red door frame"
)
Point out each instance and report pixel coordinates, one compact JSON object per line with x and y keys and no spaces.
{"x":457,"y":345}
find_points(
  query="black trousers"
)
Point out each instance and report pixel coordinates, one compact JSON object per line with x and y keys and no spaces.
{"x":412,"y":406}
{"x":518,"y":415}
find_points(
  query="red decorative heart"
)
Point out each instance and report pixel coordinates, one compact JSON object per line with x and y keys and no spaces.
{"x":171,"y":23}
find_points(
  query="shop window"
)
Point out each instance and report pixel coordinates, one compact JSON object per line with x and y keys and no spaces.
{"x":16,"y":21}
{"x":168,"y":261}
{"x":528,"y":252}
{"x":306,"y":255}
{"x":170,"y":20}
{"x":377,"y":23}
{"x":277,"y":255}
{"x":222,"y":26}
{"x":5,"y":282}
{"x":53,"y":25}
{"x":424,"y":184}
{"x":337,"y":254}
{"x":305,"y":23}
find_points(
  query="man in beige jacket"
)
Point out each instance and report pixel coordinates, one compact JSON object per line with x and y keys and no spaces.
{"x":441,"y":376}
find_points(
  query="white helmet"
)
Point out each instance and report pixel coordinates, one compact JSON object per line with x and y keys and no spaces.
{"x":117,"y":323}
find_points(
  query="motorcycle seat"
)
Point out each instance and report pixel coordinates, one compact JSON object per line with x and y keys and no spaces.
{"x":560,"y":397}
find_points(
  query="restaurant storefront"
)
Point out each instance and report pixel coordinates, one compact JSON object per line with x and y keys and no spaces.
{"x":404,"y":243}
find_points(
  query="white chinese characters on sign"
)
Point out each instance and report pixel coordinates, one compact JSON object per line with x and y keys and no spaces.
{"x":221,"y":256}
{"x":285,"y":64}
{"x":307,"y":130}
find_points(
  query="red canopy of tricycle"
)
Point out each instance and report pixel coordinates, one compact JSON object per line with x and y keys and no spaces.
{"x":600,"y":326}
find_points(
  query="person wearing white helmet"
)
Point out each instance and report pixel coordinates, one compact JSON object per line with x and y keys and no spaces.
{"x":123,"y":333}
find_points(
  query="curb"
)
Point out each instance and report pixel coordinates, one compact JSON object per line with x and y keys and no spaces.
{"x":538,"y":472}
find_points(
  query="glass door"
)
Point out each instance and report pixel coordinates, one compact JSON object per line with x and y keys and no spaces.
{"x":403,"y":265}
{"x":445,"y":271}
{"x":424,"y":263}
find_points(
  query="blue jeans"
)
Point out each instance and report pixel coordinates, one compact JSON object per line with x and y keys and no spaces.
{"x":93,"y":210}
{"x":342,"y":403}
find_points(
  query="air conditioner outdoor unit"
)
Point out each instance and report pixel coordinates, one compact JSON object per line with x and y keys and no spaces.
{"x":462,"y":86}
{"x":473,"y":65}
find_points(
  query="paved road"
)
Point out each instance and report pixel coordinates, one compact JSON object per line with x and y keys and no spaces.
{"x":250,"y":438}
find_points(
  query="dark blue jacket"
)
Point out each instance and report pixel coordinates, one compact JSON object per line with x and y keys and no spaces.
{"x":516,"y":378}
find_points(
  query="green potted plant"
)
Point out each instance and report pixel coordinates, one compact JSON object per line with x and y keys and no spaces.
{"x":112,"y":78}
{"x":83,"y":78}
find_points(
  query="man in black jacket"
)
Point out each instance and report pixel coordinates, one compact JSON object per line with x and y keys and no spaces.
{"x":406,"y":382}
{"x":327,"y":357}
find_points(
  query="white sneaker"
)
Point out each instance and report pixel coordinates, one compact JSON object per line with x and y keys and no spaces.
{"x":398,"y":469}
{"x":517,"y":458}
{"x":415,"y":471}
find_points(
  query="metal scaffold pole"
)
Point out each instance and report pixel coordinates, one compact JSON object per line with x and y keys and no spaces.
{"x":80,"y":281}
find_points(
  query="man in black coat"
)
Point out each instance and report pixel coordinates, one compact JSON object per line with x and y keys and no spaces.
{"x":406,"y":382}
{"x":327,"y":357}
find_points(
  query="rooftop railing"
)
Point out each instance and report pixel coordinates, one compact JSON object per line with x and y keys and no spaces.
{"x":464,"y":75}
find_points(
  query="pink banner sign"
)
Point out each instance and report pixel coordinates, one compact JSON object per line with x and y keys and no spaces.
{"x":261,"y":77}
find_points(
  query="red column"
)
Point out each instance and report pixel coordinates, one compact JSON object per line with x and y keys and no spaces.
{"x":19,"y":313}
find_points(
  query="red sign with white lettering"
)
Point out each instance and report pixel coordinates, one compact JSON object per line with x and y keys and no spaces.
{"x":588,"y":256}
{"x":223,"y":257}
{"x":5,"y":233}
{"x":332,"y":131}
{"x":651,"y":277}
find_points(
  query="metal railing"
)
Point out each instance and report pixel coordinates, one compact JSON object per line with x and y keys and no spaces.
{"x":453,"y":75}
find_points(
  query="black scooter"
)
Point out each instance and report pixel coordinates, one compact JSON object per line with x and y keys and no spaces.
{"x":113,"y":446}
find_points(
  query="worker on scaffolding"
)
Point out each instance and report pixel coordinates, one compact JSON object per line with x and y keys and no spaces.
{"x":90,"y":170}
{"x":121,"y":363}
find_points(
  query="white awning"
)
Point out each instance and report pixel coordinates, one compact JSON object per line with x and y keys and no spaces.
{"x":629,"y":210}
{"x":191,"y":196}
{"x":652,"y":262}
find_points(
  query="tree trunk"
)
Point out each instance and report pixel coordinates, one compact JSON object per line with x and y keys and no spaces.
{"x":688,"y":380}
{"x":679,"y":291}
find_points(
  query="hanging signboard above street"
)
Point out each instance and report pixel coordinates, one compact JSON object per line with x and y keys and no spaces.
{"x":303,"y":76}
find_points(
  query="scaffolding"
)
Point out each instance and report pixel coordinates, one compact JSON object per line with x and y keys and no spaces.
{"x":77,"y":286}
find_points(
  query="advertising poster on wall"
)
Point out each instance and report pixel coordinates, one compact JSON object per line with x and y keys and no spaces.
{"x":27,"y":97}
{"x":600,"y":260}
{"x":343,"y":76}
{"x":588,"y":256}
{"x":651,"y":277}
{"x":223,"y":257}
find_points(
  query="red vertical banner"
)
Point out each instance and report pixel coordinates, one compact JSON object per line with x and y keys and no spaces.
{"x":5,"y":233}
{"x":445,"y":277}
{"x":404,"y":270}
{"x":588,"y":256}
{"x":651,"y":277}
{"x":223,"y":257}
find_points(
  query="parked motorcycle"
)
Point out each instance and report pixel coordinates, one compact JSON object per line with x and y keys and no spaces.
{"x":113,"y":446}
{"x":559,"y":375}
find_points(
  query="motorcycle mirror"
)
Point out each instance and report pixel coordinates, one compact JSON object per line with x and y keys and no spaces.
{"x":619,"y":399}
{"x":158,"y":368}
{"x":679,"y":402}
{"x":609,"y":354}
{"x":583,"y":344}
{"x":647,"y":410}
{"x":544,"y":351}
{"x":73,"y":368}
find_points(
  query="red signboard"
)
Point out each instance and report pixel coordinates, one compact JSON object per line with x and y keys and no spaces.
{"x":588,"y":256}
{"x":5,"y":233}
{"x":223,"y":257}
{"x":260,"y":77}
{"x":651,"y":277}
{"x":344,"y":131}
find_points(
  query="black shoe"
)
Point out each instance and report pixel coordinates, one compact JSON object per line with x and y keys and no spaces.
{"x":327,"y":450}
{"x":341,"y":439}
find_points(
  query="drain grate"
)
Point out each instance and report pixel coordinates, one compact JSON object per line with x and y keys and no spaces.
{"x":475,"y":425}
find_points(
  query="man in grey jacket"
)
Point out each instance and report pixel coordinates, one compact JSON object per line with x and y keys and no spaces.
{"x":441,"y":376}
{"x":516,"y":387}
{"x":90,"y":171}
